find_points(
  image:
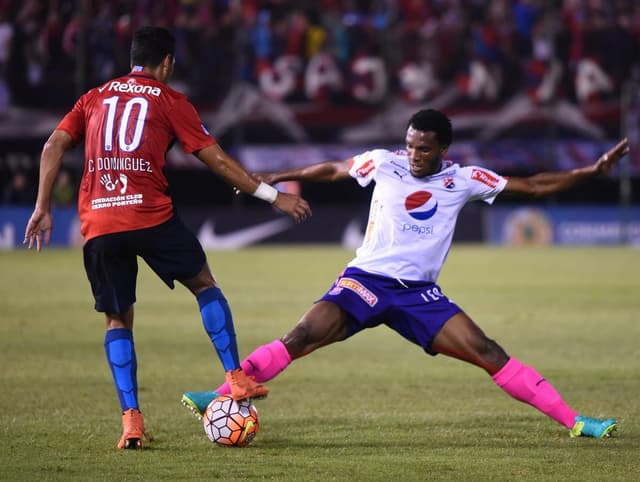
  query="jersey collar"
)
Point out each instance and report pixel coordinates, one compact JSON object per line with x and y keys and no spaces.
{"x":146,"y":75}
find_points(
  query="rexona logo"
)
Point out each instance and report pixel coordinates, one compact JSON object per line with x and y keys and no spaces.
{"x":421,"y":205}
{"x":133,"y":88}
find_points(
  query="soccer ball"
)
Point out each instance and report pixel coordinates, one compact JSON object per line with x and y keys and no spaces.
{"x":230,"y":422}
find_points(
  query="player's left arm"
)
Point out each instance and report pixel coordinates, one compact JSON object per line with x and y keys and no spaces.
{"x":546,"y":183}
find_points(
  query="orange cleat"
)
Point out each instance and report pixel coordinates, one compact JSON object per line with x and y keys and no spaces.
{"x":244,"y":387}
{"x":132,"y":429}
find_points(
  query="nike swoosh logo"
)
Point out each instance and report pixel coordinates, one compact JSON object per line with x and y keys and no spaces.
{"x":247,"y":431}
{"x":241,"y":237}
{"x":100,"y":89}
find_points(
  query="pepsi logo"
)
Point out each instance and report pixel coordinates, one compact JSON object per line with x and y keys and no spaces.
{"x":421,"y":205}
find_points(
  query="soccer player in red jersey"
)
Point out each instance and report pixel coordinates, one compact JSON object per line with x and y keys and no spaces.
{"x":125,"y":211}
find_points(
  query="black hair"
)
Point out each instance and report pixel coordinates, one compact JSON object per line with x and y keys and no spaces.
{"x":431,"y":120}
{"x":150,"y":45}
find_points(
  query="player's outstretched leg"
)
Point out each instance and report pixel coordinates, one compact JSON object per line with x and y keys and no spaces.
{"x":593,"y":427}
{"x":524,"y":383}
{"x":197,"y":402}
{"x":263,"y":364}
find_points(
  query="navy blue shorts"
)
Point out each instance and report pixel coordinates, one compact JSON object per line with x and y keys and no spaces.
{"x":416,"y":310}
{"x":170,"y":249}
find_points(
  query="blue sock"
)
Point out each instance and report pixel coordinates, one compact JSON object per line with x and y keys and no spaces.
{"x":121,"y":355}
{"x":217,"y":321}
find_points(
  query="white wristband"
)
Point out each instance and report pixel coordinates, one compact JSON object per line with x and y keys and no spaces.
{"x":266,"y":192}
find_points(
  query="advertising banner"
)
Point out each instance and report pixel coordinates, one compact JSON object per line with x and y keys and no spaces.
{"x":576,"y":225}
{"x":236,"y":227}
{"x":13,"y":221}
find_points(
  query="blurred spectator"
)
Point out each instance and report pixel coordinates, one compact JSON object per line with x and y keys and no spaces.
{"x":102,"y":41}
{"x":64,"y":191}
{"x":525,"y":15}
{"x":328,"y":51}
{"x":6,"y":37}
{"x":20,"y":190}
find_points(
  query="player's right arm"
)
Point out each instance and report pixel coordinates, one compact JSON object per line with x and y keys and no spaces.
{"x":220,"y":163}
{"x":41,"y":223}
{"x":195,"y":139}
{"x":329,"y":171}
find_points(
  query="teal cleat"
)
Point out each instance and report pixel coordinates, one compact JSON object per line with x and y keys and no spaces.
{"x":593,"y":427}
{"x":198,"y":402}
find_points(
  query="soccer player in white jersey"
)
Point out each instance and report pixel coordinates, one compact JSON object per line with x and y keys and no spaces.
{"x":392,"y":280}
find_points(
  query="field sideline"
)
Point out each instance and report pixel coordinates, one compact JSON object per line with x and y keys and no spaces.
{"x":372,"y":408}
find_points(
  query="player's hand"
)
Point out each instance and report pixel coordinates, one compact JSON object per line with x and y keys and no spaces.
{"x":38,"y":229}
{"x":610,"y":158}
{"x":293,"y":205}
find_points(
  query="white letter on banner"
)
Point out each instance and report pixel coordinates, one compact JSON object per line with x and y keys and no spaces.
{"x":322,"y":72}
{"x":374,"y":69}
{"x":417,"y":81}
{"x":280,"y":79}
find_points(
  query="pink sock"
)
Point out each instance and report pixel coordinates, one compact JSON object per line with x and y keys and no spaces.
{"x":527,"y":385}
{"x":263,"y":364}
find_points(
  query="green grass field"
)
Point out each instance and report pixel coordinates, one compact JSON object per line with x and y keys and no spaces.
{"x":371,"y":408}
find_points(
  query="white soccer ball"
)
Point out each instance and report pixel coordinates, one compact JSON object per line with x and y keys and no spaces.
{"x":230,"y":422}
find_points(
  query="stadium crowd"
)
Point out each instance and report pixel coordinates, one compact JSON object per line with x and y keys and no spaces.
{"x":453,"y":54}
{"x":342,"y":51}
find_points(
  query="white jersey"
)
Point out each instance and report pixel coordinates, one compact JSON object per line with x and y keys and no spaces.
{"x":411,"y":220}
